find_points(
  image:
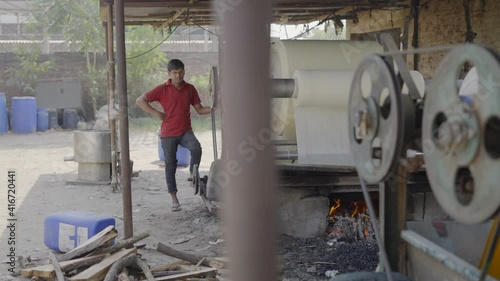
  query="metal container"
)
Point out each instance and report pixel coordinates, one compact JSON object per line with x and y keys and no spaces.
{"x":92,"y":150}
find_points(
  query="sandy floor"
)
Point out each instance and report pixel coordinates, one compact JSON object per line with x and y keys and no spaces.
{"x":42,"y":189}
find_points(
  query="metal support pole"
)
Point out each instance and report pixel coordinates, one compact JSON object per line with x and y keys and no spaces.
{"x":124,"y":137}
{"x":394,"y":216}
{"x":249,"y":181}
{"x":111,"y":92}
{"x":416,"y":4}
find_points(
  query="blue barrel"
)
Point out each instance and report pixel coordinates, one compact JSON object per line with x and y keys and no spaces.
{"x":183,"y":154}
{"x":53,"y":121}
{"x":42,"y":119}
{"x":4,"y":116}
{"x":70,"y":118}
{"x":23,"y":115}
{"x":67,"y":230}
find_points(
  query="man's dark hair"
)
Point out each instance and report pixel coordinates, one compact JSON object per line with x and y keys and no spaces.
{"x":175,"y":64}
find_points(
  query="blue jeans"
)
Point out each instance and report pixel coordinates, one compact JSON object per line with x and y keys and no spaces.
{"x":169,"y":144}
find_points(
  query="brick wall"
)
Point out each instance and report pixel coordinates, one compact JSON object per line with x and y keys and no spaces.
{"x":441,"y":22}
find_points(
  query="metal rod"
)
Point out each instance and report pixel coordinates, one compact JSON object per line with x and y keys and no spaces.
{"x":420,"y":50}
{"x":214,"y":133}
{"x":491,"y":250}
{"x":124,"y":134}
{"x":284,"y":142}
{"x":286,"y":155}
{"x":283,"y":88}
{"x":416,"y":15}
{"x":111,"y":93}
{"x":376,"y":230}
{"x":250,"y":201}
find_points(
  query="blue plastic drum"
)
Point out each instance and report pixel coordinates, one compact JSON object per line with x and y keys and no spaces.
{"x":70,"y":118}
{"x":183,"y":154}
{"x":23,"y":115}
{"x":42,"y":119}
{"x":4,"y":116}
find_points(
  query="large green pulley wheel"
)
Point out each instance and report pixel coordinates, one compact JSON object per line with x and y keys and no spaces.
{"x":375,"y":119}
{"x":461,"y":136}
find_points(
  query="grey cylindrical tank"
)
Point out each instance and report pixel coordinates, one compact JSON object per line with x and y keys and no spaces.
{"x":92,"y":150}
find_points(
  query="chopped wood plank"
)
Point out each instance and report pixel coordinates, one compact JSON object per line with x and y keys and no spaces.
{"x":101,"y":238}
{"x":124,"y":243}
{"x":57,"y":267}
{"x":47,"y":271}
{"x":98,"y":271}
{"x":201,"y":272}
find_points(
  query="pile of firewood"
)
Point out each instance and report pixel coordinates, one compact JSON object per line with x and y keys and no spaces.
{"x":97,"y":260}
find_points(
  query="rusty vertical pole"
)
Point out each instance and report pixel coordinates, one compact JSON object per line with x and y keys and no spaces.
{"x":124,"y":139}
{"x":394,"y":216}
{"x":248,"y":175}
{"x":111,"y":90}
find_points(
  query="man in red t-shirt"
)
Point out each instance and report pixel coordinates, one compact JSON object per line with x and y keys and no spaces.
{"x":175,"y":96}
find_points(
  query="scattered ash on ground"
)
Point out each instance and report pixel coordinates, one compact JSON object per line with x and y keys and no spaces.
{"x":317,"y":259}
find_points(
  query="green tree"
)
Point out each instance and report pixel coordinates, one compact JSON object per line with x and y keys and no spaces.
{"x":146,"y":65}
{"x":79,"y":20}
{"x":82,"y":28}
{"x":23,"y":77}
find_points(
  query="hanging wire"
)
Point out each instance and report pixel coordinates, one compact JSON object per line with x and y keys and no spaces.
{"x":211,"y":32}
{"x":157,"y":45}
{"x":309,"y":29}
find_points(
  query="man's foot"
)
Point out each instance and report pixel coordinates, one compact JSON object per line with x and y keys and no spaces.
{"x":176,"y":207}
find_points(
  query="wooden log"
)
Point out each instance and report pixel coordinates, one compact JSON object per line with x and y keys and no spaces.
{"x":124,"y":243}
{"x":157,"y":274}
{"x":57,"y":268}
{"x":98,"y":271}
{"x":118,"y":266}
{"x":170,"y":266}
{"x":100,"y":239}
{"x":47,"y":271}
{"x":187,"y":256}
{"x":197,"y":273}
{"x":145,"y":269}
{"x":123,"y":276}
{"x":82,"y":262}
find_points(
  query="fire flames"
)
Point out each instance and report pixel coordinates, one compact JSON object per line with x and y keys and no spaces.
{"x":350,"y":220}
{"x":354,"y":208}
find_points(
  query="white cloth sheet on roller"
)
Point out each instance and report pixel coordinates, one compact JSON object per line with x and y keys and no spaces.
{"x":320,"y":102}
{"x":290,"y":55}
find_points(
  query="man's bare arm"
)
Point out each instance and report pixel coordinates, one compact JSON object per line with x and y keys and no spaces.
{"x":201,"y":109}
{"x":143,"y":103}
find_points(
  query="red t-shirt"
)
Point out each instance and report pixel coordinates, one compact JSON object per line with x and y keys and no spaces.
{"x":176,"y":105}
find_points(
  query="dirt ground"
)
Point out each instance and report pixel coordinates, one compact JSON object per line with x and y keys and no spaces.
{"x":42,"y":188}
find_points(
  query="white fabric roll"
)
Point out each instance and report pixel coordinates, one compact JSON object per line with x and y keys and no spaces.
{"x":321,"y":105}
{"x":291,"y":55}
{"x":322,"y":88}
